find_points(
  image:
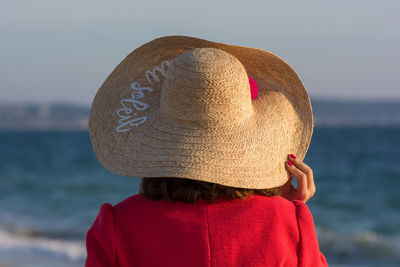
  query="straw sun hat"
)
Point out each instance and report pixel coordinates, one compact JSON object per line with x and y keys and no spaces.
{"x":185,"y":107}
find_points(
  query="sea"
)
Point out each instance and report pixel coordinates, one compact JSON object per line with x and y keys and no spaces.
{"x":52,"y":186}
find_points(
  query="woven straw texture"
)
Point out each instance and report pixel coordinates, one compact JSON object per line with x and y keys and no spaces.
{"x":181,"y":107}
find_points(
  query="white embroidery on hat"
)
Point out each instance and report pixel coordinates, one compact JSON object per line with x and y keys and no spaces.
{"x":126,"y":113}
{"x":163,"y":70}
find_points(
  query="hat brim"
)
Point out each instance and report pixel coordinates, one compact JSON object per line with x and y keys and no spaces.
{"x":251,"y":154}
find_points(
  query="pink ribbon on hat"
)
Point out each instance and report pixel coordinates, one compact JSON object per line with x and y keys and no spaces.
{"x":253,"y":88}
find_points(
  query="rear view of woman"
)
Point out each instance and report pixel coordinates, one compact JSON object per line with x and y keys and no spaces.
{"x":217,"y":132}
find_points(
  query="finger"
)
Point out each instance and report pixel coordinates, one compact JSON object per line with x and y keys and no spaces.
{"x":292,"y":190}
{"x":289,"y":182}
{"x":300,"y":164}
{"x":286,"y":187}
{"x":287,"y":190}
{"x":302,"y":188}
{"x":304,"y":168}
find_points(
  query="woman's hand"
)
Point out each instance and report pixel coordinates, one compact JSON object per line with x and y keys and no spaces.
{"x":305,"y":181}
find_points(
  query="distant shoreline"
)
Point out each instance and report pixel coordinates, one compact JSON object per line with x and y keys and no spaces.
{"x":72,"y":117}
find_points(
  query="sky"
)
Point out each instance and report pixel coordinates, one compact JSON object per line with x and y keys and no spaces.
{"x":62,"y":51}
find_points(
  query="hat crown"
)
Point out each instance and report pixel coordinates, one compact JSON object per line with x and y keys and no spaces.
{"x":208,"y":87}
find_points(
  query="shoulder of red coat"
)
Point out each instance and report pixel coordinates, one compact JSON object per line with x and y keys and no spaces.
{"x":131,"y":200}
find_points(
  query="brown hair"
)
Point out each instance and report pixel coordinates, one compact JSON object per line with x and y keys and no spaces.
{"x":189,"y":191}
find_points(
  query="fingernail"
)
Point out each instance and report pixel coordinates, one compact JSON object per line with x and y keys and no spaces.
{"x":292,"y":156}
{"x":290,"y":163}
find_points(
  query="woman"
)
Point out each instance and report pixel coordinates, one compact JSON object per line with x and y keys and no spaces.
{"x":209,"y":126}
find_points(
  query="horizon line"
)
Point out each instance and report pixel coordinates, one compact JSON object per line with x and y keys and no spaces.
{"x":317,"y":99}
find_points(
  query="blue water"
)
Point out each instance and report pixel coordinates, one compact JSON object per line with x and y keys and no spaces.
{"x":51,"y":187}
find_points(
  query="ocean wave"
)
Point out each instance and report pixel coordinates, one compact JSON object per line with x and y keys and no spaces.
{"x":351,"y":249}
{"x":22,"y":242}
{"x":365,"y":247}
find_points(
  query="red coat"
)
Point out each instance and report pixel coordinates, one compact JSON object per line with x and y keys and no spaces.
{"x":256,"y":231}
